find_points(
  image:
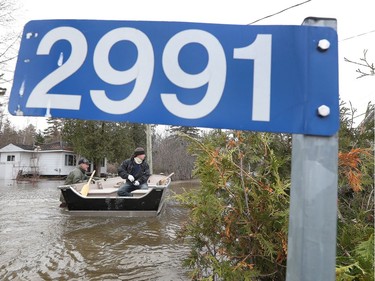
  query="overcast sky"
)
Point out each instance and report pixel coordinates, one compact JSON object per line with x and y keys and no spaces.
{"x":355,"y":20}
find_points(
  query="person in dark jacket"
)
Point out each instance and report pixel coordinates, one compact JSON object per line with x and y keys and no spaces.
{"x":135,"y":171}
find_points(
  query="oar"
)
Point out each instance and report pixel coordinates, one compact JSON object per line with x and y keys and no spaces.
{"x":162,"y":181}
{"x":86,"y":187}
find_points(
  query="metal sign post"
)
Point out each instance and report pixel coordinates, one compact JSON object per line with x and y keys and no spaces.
{"x":313,"y":202}
{"x":149,"y":147}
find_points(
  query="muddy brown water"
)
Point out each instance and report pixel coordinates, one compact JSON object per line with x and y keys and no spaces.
{"x":40,"y":241}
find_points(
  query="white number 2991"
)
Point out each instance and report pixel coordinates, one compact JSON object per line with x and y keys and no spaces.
{"x":214,"y":74}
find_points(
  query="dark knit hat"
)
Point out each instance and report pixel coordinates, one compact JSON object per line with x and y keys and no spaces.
{"x":83,"y":161}
{"x":138,"y":151}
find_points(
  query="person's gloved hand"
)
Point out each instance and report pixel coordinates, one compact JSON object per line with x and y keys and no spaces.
{"x":131,"y":178}
{"x":136,"y":183}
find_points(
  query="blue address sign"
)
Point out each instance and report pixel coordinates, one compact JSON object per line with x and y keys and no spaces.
{"x":260,"y":78}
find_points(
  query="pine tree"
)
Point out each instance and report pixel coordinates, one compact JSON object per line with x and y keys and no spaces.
{"x":190,"y":131}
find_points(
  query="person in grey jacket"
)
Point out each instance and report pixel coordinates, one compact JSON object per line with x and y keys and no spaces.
{"x":77,"y":175}
{"x":135,"y":171}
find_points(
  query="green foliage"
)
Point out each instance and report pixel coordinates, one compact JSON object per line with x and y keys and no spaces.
{"x":239,"y":216}
{"x":191,"y":131}
{"x":362,"y":264}
{"x":355,"y":232}
{"x":53,"y":132}
{"x":238,"y":221}
{"x":98,"y":139}
{"x":39,"y":138}
{"x":355,"y":136}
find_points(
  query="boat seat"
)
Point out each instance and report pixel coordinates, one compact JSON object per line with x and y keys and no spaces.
{"x":103,"y":191}
{"x":140,"y":192}
{"x":110,"y":190}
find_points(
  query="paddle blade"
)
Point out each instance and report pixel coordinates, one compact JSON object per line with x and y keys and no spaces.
{"x":85,"y":189}
{"x":164,"y":181}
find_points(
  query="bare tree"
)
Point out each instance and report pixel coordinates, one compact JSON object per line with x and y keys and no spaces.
{"x":10,"y":134}
{"x":366,"y":68}
{"x":8,"y":40}
{"x":170,"y":154}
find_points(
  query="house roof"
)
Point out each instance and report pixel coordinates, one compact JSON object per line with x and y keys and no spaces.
{"x":25,"y":146}
{"x":59,"y":145}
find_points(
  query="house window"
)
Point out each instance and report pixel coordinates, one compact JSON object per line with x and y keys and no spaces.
{"x":102,"y":162}
{"x":11,"y":158}
{"x":70,"y":160}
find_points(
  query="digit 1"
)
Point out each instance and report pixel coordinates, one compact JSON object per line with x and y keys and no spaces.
{"x":260,"y":51}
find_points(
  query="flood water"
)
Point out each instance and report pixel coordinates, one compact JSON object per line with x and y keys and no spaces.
{"x":40,"y":241}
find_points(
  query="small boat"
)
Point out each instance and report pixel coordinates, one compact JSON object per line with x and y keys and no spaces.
{"x":102,"y":198}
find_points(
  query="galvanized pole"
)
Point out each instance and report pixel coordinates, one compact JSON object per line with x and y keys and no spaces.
{"x":313,"y":203}
{"x":149,"y":146}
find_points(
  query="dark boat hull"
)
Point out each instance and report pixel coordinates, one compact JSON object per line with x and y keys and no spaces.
{"x":149,"y":202}
{"x":106,"y":201}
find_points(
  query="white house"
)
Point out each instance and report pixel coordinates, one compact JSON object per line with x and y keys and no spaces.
{"x":48,"y":160}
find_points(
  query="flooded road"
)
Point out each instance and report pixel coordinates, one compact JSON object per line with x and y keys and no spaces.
{"x":40,"y":241}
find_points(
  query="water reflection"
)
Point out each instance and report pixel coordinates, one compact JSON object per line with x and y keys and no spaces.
{"x":39,"y":241}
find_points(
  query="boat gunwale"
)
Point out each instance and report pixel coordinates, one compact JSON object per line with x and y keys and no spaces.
{"x":110,"y":195}
{"x":116,"y":213}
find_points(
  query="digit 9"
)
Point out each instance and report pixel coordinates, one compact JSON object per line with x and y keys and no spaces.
{"x":214,"y":74}
{"x":142,"y":70}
